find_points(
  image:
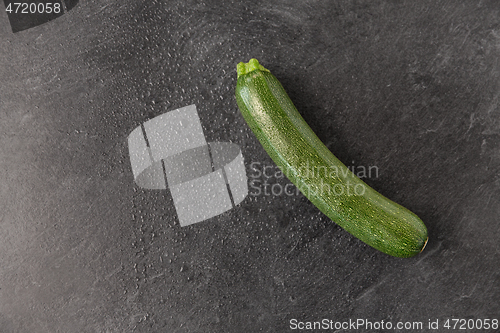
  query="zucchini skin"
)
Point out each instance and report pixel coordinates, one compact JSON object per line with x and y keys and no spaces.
{"x":295,"y":148}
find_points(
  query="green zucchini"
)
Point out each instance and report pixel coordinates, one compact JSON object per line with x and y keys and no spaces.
{"x":321,"y":177}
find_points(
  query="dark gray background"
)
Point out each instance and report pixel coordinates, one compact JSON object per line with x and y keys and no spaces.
{"x":412,"y":87}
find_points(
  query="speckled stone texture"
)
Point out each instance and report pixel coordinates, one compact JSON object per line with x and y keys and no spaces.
{"x":411,"y":87}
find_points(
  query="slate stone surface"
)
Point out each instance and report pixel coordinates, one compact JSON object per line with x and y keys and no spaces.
{"x":409,"y":87}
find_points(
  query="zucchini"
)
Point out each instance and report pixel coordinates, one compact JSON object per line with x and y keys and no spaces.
{"x":319,"y":175}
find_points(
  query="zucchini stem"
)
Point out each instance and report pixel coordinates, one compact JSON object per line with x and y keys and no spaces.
{"x":244,"y":68}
